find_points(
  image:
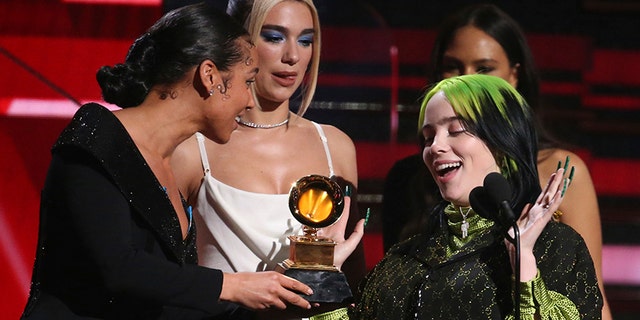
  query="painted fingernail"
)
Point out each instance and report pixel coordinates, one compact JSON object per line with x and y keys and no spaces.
{"x":564,"y":189}
{"x":366,"y":217}
{"x":347,"y":191}
{"x":559,"y":165}
{"x":566,"y":164}
{"x":573,"y":170}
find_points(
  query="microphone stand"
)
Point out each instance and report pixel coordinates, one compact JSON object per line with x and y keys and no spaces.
{"x":509,"y":216}
{"x":516,"y":242}
{"x":497,"y":188}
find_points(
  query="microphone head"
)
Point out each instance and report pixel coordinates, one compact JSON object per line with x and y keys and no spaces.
{"x":497,"y":187}
{"x":482,"y":204}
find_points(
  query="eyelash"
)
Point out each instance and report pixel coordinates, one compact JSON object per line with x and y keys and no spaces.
{"x":429,"y":140}
{"x":268,"y":37}
{"x":457,"y":69}
{"x":484,"y":69}
{"x":304,"y":40}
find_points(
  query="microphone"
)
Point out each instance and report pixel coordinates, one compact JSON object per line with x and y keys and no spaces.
{"x":498,"y":189}
{"x":482,"y":204}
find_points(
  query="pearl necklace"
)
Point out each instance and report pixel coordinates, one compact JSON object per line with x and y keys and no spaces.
{"x":262,"y":126}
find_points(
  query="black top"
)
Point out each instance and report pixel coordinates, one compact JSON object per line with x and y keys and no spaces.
{"x":110,"y":244}
{"x":416,"y":279}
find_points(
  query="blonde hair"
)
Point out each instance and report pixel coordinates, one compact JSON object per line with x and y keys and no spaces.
{"x":253,"y":22}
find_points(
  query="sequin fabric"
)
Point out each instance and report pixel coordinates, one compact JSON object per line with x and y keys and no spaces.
{"x":423,"y":278}
{"x":108,"y":227}
{"x":96,"y":130}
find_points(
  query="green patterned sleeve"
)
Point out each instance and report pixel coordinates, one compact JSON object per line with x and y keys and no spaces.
{"x":536,"y":299}
{"x":338,"y":314}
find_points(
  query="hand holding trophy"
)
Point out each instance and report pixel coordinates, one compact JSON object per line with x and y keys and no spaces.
{"x":316,"y":202}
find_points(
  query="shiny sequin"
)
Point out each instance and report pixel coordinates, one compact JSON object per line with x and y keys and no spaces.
{"x":431,"y":277}
{"x":97,"y":133}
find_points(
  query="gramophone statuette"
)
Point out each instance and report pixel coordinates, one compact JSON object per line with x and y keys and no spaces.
{"x":316,"y":202}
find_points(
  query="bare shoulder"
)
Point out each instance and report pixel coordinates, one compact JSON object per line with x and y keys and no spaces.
{"x":343,"y":151}
{"x":337,"y":137}
{"x":187,"y":166}
{"x":184,"y":153}
{"x":548,"y":160}
{"x":580,"y":204}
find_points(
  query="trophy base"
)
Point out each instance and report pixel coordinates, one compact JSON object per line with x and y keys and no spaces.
{"x":327,"y":286}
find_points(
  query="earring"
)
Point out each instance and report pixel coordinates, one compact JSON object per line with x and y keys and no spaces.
{"x":211,"y":92}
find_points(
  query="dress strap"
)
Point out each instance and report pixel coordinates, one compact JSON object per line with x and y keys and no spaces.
{"x":323,"y":137}
{"x":203,"y":153}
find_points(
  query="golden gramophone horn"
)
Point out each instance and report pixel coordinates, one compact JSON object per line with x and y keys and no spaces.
{"x":316,"y":201}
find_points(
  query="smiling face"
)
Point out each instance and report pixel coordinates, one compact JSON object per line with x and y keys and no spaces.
{"x":457,"y":160}
{"x":473,"y":51}
{"x":285,"y":47}
{"x":232,"y":97}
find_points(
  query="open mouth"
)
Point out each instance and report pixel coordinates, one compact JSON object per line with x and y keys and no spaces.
{"x":446,"y":168}
{"x":285,"y":79}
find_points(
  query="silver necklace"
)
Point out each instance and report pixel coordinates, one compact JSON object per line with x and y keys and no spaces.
{"x":262,"y":126}
{"x":464,"y":227}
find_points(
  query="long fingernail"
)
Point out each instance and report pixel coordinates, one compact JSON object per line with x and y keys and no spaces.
{"x":559,"y":165}
{"x":573,"y":170}
{"x":566,"y":164}
{"x":366,"y":217}
{"x":347,"y":191}
{"x":564,"y":189}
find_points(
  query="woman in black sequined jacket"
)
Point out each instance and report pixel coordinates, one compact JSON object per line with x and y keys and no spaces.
{"x":116,"y":240}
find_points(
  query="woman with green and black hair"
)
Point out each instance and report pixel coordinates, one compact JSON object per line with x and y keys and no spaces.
{"x":482,"y":38}
{"x":461,"y":266}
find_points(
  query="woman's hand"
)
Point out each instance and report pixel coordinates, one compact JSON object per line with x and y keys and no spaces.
{"x":533,"y":219}
{"x":336,"y":232}
{"x":264,"y":290}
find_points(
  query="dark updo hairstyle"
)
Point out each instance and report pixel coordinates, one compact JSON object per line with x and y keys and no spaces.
{"x":501,"y":27}
{"x":176,"y":43}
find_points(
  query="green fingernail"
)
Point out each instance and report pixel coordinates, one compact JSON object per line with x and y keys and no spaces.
{"x":573,"y":170}
{"x":566,"y":164}
{"x":347,"y":191}
{"x":559,"y":165}
{"x":564,"y":189}
{"x":366,"y":217}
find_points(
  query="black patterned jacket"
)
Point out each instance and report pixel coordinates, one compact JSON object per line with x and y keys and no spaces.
{"x":416,"y":280}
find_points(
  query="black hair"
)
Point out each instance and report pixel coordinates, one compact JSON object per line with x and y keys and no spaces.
{"x":239,"y":9}
{"x":508,"y":33}
{"x":180,"y":40}
{"x":501,"y":27}
{"x":492,"y":110}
